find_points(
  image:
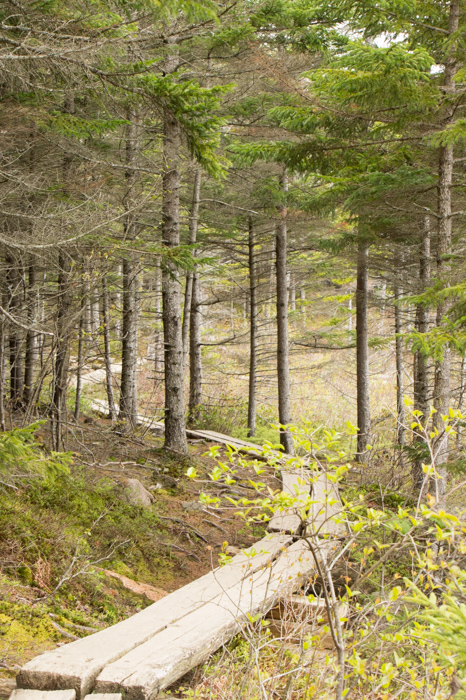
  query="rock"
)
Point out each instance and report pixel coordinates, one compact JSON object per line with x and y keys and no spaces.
{"x":138,"y":495}
{"x":192,"y":505}
{"x":232,"y":551}
{"x":166,"y":481}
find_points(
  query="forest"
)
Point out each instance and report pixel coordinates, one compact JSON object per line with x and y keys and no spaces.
{"x":243,"y":217}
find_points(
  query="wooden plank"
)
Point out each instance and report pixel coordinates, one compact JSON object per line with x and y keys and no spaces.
{"x":213,"y":436}
{"x":322,"y":511}
{"x":77,"y":665}
{"x":23,"y":694}
{"x":296,"y":483}
{"x":154,"y":666}
{"x":104,"y":696}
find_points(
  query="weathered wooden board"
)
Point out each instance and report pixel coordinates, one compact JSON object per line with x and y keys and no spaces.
{"x":153,"y":666}
{"x":23,"y":694}
{"x":296,"y":483}
{"x":326,"y":504}
{"x":212,"y":436}
{"x":77,"y":665}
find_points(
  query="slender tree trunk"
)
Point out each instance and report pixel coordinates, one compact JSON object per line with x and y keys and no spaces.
{"x":175,"y":430}
{"x":63,"y":327}
{"x":302,"y":298}
{"x":252,"y":402}
{"x":129,"y":349}
{"x":14,"y":332}
{"x":80,"y":361}
{"x":158,"y":339}
{"x":129,"y":355}
{"x":283,"y":369}
{"x":459,"y":427}
{"x":31,"y":342}
{"x":292,"y":292}
{"x":118,"y":300}
{"x":421,"y":363}
{"x":362,"y":352}
{"x":195,"y":356}
{"x":134,"y":379}
{"x":107,"y":355}
{"x":193,"y":228}
{"x":400,"y":406}
{"x":2,"y":368}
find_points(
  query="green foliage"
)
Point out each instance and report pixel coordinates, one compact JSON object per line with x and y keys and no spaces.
{"x":21,"y":457}
{"x":195,"y":108}
{"x":442,"y":622}
{"x":400,"y":637}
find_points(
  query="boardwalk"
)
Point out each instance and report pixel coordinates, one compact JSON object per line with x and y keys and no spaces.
{"x":146,"y":653}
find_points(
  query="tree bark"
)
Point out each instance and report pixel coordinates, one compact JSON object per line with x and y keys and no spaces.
{"x":421,"y":363}
{"x":193,"y":228}
{"x":129,"y":350}
{"x":158,"y":339}
{"x":107,"y":355}
{"x":80,"y":360}
{"x":442,"y":367}
{"x":2,"y":364}
{"x":252,"y":400}
{"x":13,"y":277}
{"x":195,"y":356}
{"x":31,"y":340}
{"x":63,"y":327}
{"x":175,"y":429}
{"x":362,"y":352}
{"x":459,"y":427}
{"x":283,"y":369}
{"x":400,"y":406}
{"x":129,"y":354}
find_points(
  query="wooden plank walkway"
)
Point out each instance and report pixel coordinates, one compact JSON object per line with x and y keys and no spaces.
{"x":78,"y":664}
{"x":145,"y":654}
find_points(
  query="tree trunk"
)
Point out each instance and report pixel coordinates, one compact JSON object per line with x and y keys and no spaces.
{"x":421,"y":363}
{"x":292,"y":287}
{"x":193,"y":227}
{"x":13,"y":277}
{"x":283,"y":369}
{"x":362,"y":353}
{"x":80,"y":360}
{"x":129,"y":354}
{"x":175,"y":430}
{"x":31,"y":343}
{"x":63,"y":327}
{"x":129,"y":349}
{"x":158,"y":340}
{"x":302,"y":298}
{"x":252,"y":407}
{"x":459,"y":427}
{"x":2,"y":367}
{"x":107,"y":356}
{"x":400,"y":406}
{"x":195,"y":357}
{"x":442,"y":367}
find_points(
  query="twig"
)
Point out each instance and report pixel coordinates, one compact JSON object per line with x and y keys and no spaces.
{"x":180,"y":549}
{"x":219,"y":527}
{"x":63,"y":632}
{"x":184,"y":524}
{"x":84,"y":628}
